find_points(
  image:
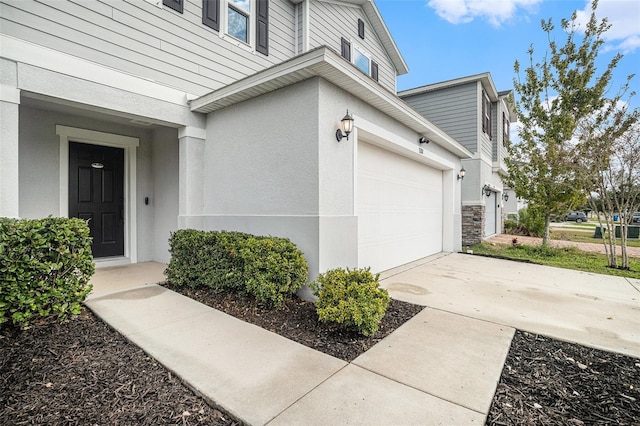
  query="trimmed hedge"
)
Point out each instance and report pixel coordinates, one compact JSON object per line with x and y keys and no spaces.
{"x":268,"y":268}
{"x":45,"y":267}
{"x":352,"y":299}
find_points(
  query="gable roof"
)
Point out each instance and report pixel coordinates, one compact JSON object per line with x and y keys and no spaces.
{"x":325,"y":63}
{"x":381,"y":30}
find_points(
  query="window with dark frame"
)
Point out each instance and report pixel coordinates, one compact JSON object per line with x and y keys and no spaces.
{"x":238,"y":24}
{"x":361,"y":28}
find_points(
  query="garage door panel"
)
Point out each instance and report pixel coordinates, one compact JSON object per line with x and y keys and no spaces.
{"x":399,"y":209}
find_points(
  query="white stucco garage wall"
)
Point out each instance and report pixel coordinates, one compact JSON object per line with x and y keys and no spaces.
{"x":272,"y":165}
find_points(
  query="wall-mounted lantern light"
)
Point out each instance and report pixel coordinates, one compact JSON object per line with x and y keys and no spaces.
{"x":346,"y":127}
{"x":487,"y":190}
{"x":505,"y":196}
{"x":461,"y":173}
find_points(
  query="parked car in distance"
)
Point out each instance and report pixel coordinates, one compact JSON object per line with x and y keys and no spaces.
{"x":635,"y":218}
{"x":576,"y":217}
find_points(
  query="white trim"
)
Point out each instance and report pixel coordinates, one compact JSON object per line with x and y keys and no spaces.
{"x":248,"y":45}
{"x":28,"y":53}
{"x":388,"y":140}
{"x":305,"y":26}
{"x":129,"y":144}
{"x":9,"y":94}
{"x":192,"y":132}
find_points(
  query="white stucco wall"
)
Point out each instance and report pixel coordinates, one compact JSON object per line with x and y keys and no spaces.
{"x":164,"y":197}
{"x":272,"y":166}
{"x":156,"y":170}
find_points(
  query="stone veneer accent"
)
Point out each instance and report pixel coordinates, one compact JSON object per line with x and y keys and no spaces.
{"x":472,"y":224}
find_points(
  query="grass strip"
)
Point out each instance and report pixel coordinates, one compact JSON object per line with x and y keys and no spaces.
{"x":565,"y":257}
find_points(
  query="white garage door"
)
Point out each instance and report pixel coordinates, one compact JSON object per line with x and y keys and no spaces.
{"x":399,"y":209}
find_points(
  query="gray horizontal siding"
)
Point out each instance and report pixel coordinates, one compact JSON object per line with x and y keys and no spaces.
{"x":139,"y":38}
{"x":454,"y":110}
{"x":330,"y":22}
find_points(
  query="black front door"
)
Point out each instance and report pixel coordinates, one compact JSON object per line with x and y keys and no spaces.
{"x":96,"y":194}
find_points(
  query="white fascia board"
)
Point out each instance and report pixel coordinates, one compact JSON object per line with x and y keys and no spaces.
{"x":324,"y":62}
{"x":484,"y":78}
{"x":26,"y":52}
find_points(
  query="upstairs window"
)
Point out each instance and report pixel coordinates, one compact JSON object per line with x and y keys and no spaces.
{"x":505,"y":129}
{"x":486,"y":114}
{"x":244,"y":20}
{"x":359,"y":58}
{"x":239,"y":16}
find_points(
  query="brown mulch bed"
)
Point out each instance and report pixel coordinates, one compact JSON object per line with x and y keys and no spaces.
{"x":297,"y":320}
{"x":549,"y":382}
{"x":83,"y":372}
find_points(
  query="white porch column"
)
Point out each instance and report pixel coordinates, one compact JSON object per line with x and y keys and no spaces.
{"x":191,"y":203}
{"x":9,"y":134}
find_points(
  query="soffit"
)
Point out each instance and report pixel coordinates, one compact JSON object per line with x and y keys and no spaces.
{"x":325,"y":63}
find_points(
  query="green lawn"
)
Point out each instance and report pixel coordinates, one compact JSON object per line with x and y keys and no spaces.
{"x":586,"y":236}
{"x":569,"y":258}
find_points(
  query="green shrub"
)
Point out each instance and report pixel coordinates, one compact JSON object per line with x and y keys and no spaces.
{"x":268,"y":268}
{"x":351,"y":298}
{"x":273,"y":268}
{"x":45,"y":267}
{"x":530,"y":222}
{"x":205,"y":259}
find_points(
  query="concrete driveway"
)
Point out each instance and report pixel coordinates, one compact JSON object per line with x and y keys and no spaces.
{"x":591,"y":309}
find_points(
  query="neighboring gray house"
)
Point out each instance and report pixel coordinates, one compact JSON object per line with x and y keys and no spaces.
{"x":147,"y":116}
{"x":472,"y":111}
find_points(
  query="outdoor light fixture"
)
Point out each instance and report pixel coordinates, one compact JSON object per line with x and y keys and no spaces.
{"x":423,"y":140}
{"x":346,"y":127}
{"x":505,"y":196}
{"x":461,"y":173}
{"x":487,"y":190}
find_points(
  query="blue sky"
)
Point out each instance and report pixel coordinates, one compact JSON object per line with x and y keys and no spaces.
{"x":445,"y":39}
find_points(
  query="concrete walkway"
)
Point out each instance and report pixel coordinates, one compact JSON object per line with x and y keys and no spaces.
{"x":441,"y":367}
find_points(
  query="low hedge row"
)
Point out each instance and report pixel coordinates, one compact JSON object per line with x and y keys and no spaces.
{"x":45,"y":267}
{"x":268,"y":268}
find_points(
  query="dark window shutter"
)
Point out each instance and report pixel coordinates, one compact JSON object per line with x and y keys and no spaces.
{"x":211,"y":13}
{"x":490,"y":123}
{"x":484,"y":103}
{"x":374,"y":71}
{"x":176,"y":5}
{"x":262,"y":26}
{"x":361,"y":28}
{"x":346,"y":49}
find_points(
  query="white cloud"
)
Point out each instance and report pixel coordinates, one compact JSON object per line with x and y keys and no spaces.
{"x":494,"y":11}
{"x":624,"y":17}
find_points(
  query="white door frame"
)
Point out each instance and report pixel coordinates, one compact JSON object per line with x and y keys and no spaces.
{"x":130,"y":145}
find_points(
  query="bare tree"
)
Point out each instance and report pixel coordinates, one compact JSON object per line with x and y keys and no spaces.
{"x":609,"y":158}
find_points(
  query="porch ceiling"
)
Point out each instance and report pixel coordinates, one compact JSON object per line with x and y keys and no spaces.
{"x":324,"y":62}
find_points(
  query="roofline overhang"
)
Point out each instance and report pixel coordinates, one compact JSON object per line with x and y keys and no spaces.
{"x":484,"y":78}
{"x":325,"y":63}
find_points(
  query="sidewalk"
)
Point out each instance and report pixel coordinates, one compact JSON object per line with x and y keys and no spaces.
{"x":441,"y":367}
{"x":438,"y":368}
